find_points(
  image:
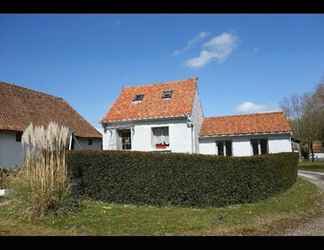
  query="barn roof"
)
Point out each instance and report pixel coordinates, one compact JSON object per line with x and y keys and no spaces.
{"x":20,"y":106}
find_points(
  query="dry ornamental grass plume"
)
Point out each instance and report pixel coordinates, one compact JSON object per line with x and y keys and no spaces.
{"x":45,"y":168}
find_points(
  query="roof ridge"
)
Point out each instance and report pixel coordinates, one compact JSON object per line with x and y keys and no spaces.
{"x":252,"y":114}
{"x":152,"y":84}
{"x":21,"y":95}
{"x":31,"y":90}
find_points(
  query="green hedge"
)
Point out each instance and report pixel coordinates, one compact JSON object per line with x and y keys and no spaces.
{"x":180,"y":179}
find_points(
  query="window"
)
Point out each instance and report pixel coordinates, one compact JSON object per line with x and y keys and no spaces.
{"x":90,"y":142}
{"x":125,"y":139}
{"x":167,"y":94}
{"x":264,"y":146}
{"x":160,"y":137}
{"x":224,"y":148}
{"x":259,"y":146}
{"x":138,"y":98}
{"x":228,"y":146}
{"x":18,"y":136}
{"x":220,"y":148}
{"x":255,"y":146}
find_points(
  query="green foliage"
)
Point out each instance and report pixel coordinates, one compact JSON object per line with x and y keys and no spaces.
{"x":271,"y":216}
{"x":181,"y":179}
{"x":44,"y":172}
{"x":24,"y":199}
{"x":5,"y":174}
{"x":312,"y":166}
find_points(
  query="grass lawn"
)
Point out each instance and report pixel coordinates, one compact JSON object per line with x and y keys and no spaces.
{"x":99,"y":218}
{"x":312,"y":166}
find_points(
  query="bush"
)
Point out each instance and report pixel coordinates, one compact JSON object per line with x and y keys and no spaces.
{"x":5,"y":174}
{"x":22,"y":200}
{"x":180,"y":179}
{"x":44,"y":174}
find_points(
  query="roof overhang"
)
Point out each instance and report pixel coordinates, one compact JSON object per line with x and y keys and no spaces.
{"x":244,"y":134}
{"x":164,"y":118}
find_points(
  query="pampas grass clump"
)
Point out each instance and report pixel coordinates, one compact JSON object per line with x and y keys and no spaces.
{"x":44,"y":170}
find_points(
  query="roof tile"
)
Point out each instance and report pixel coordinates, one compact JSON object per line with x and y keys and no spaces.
{"x":20,"y":106}
{"x":153,"y":106}
{"x":272,"y":122}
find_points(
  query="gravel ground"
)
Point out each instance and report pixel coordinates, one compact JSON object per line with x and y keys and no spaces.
{"x":315,"y":226}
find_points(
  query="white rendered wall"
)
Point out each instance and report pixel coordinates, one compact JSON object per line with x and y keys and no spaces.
{"x":241,"y":145}
{"x":11,"y":152}
{"x":318,"y":156}
{"x":278,"y":144}
{"x":197,"y":119}
{"x":12,"y":155}
{"x":207,"y":147}
{"x":141,"y":132}
{"x":82,"y":143}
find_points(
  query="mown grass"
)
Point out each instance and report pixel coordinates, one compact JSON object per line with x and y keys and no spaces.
{"x":98,"y":218}
{"x":312,"y":166}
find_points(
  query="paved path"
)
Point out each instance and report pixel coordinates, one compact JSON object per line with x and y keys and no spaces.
{"x":316,"y":225}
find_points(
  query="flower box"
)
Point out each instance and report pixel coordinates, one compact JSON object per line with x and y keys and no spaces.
{"x":161,"y":146}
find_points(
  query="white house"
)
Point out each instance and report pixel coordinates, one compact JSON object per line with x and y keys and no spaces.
{"x":168,"y":117}
{"x":156,"y":117}
{"x":21,"y":106}
{"x":245,"y":135}
{"x":318,"y":148}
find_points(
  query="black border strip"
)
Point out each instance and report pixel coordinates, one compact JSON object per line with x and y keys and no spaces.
{"x":162,"y":6}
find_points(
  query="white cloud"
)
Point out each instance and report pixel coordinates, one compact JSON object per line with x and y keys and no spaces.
{"x":200,"y":37}
{"x":216,"y":49}
{"x":251,"y":107}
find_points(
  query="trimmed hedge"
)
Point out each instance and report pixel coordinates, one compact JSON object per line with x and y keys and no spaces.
{"x":180,"y":179}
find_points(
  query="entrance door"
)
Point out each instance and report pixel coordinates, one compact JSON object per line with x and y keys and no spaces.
{"x":125,"y":138}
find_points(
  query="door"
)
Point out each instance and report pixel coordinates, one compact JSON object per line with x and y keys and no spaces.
{"x":125,"y":138}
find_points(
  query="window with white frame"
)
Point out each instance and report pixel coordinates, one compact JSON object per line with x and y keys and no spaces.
{"x":259,"y":146}
{"x":138,"y":98}
{"x":224,"y":148}
{"x":160,"y":137}
{"x":167,"y":94}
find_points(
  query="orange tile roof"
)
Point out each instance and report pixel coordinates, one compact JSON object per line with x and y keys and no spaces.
{"x":317,"y":147}
{"x":20,"y":106}
{"x":153,"y":106}
{"x":272,"y":122}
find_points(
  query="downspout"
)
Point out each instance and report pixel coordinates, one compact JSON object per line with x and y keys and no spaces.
{"x":192,"y":140}
{"x":71,"y":139}
{"x":190,"y":125}
{"x":76,"y":140}
{"x":70,"y":143}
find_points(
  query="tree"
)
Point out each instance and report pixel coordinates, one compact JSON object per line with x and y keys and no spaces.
{"x":293,"y":107}
{"x":306,"y":116}
{"x":312,"y":122}
{"x":319,"y":102}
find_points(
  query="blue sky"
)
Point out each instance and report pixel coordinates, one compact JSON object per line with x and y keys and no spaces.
{"x":245,"y":63}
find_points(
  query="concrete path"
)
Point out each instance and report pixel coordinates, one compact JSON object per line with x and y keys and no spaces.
{"x":316,"y":225}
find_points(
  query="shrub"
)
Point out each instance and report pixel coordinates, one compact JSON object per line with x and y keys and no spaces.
{"x":43,"y":179}
{"x":5,"y":174}
{"x":180,"y":179}
{"x":3,"y":178}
